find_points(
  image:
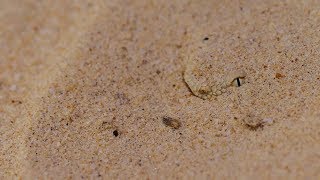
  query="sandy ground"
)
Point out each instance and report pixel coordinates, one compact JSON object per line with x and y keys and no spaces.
{"x":85,"y":87}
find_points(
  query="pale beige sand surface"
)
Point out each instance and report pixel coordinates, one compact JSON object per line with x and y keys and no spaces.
{"x":85,"y":85}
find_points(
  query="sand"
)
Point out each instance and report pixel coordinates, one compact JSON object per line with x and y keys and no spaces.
{"x":95,"y":89}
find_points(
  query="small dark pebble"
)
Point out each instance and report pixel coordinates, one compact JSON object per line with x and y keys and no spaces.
{"x":206,"y":39}
{"x":115,"y":133}
{"x":168,"y":121}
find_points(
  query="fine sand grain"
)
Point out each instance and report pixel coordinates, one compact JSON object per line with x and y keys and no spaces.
{"x":96,"y":89}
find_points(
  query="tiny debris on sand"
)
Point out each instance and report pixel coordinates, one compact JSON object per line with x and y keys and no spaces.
{"x":279,"y":76}
{"x":252,"y":121}
{"x":168,"y":121}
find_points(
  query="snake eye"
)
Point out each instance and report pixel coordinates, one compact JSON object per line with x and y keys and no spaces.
{"x":237,"y":82}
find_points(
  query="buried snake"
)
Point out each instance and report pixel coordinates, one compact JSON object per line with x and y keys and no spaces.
{"x":210,"y":71}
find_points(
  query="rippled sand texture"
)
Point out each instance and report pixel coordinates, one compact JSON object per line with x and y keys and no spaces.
{"x":89,"y":89}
